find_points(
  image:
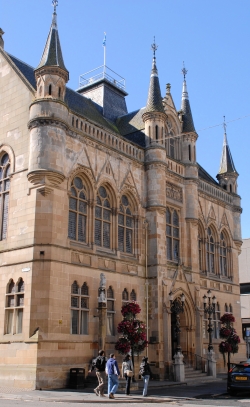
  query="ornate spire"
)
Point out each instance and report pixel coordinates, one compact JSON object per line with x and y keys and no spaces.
{"x":188,"y":124}
{"x":1,"y":38}
{"x":226,"y":163}
{"x":154,"y":102}
{"x":52,"y":54}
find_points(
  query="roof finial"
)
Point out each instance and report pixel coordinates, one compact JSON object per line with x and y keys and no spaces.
{"x":225,"y":125}
{"x":154,"y":47}
{"x":184,"y":71}
{"x":55,"y":4}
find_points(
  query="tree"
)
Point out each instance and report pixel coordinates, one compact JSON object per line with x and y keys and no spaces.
{"x":134,"y":337}
{"x":231,"y":340}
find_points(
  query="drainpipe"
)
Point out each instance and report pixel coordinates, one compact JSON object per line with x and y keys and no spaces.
{"x":146,"y":278}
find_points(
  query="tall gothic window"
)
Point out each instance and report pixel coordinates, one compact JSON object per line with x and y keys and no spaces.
{"x":79,"y":308}
{"x":4,"y":194}
{"x":103,"y":218}
{"x":125,"y":295}
{"x":171,"y":146}
{"x":210,"y":251}
{"x":172,"y":235}
{"x":223,"y":255}
{"x":133,"y":295}
{"x":110,"y":311}
{"x":14,"y":306}
{"x":215,"y":321}
{"x":125,"y":226}
{"x":77,"y":229}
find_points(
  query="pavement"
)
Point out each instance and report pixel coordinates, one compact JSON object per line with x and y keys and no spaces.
{"x":88,"y":396}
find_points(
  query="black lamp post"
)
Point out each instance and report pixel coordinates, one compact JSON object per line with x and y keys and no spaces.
{"x":177,"y":307}
{"x":209,"y":309}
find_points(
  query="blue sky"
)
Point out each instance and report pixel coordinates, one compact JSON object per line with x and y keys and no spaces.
{"x":212,"y":37}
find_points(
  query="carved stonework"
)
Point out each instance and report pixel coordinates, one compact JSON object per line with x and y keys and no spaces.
{"x":80,"y":258}
{"x":47,"y":179}
{"x":173,"y":192}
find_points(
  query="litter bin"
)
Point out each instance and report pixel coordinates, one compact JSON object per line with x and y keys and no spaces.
{"x":76,"y":378}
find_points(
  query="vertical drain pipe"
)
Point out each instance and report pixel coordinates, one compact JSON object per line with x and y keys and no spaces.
{"x":146,"y":277}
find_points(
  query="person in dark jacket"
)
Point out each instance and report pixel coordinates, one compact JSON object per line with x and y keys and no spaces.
{"x":146,"y":374}
{"x":113,"y":372}
{"x":100,"y":365}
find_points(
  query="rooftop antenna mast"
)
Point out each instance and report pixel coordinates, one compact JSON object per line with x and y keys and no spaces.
{"x":104,"y":49}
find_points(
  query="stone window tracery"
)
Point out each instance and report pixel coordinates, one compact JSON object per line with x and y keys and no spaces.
{"x":14,"y":307}
{"x":79,"y":309}
{"x":78,"y":211}
{"x":172,"y":235}
{"x":210,"y":251}
{"x":223,"y":255}
{"x":125,"y":226}
{"x":4,"y":194}
{"x":103,"y":217}
{"x":110,"y":311}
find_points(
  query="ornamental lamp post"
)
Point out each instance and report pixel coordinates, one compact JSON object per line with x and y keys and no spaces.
{"x":209,"y":309}
{"x":177,"y":307}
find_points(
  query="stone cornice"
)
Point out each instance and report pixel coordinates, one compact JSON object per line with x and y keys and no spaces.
{"x":47,"y":121}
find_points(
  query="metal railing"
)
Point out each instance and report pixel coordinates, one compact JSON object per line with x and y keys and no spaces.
{"x":102,"y":72}
{"x":195,"y":361}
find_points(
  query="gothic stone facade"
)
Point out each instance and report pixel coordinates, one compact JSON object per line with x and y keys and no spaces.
{"x":80,"y":197}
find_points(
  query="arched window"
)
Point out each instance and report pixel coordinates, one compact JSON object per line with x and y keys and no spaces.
{"x":133,"y":295}
{"x":210,"y":251}
{"x":110,"y":311}
{"x":125,"y":295}
{"x":226,"y":307}
{"x":79,"y":309}
{"x":14,"y":307}
{"x":78,"y":211}
{"x":4,"y":194}
{"x":223,"y":255}
{"x":171,"y":147}
{"x":230,"y":308}
{"x":50,"y":89}
{"x":103,"y":218}
{"x":125,"y":226}
{"x":172,"y":235}
{"x":200,"y":250}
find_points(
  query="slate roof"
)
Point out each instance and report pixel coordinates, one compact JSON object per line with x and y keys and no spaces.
{"x":76,"y":102}
{"x":52,"y":53}
{"x":154,"y":102}
{"x":204,"y":175}
{"x":131,"y":126}
{"x":226,"y":163}
{"x":188,"y":124}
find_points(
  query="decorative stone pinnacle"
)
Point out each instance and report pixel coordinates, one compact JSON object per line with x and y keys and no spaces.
{"x":184,"y":71}
{"x":55,"y":4}
{"x":154,"y":47}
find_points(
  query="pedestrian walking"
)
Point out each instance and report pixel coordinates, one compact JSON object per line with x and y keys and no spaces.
{"x":146,"y":374}
{"x":127,"y":372}
{"x":113,"y":372}
{"x":99,"y":365}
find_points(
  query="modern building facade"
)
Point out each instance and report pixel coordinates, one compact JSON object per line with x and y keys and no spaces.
{"x":88,"y":188}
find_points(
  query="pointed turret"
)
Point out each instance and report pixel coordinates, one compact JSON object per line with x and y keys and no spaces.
{"x":187,"y":118}
{"x":227,"y":175}
{"x":188,"y":130}
{"x":51,"y":68}
{"x":154,"y":116}
{"x":1,"y":38}
{"x":154,"y":102}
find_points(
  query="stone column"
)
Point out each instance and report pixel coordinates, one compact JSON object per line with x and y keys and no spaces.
{"x":211,"y":369}
{"x":102,"y":331}
{"x":179,"y":372}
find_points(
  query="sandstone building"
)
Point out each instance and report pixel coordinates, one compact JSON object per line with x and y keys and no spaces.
{"x":88,"y":188}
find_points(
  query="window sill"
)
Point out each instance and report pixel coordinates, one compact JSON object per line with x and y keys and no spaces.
{"x":216,"y":277}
